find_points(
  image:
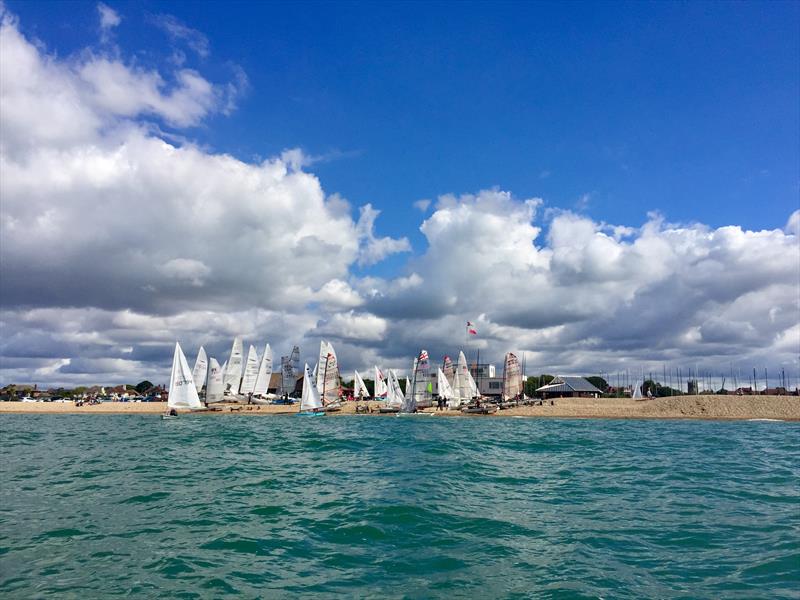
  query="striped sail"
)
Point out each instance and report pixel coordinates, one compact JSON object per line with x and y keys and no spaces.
{"x":421,"y":380}
{"x":512,"y":377}
{"x":327,"y":374}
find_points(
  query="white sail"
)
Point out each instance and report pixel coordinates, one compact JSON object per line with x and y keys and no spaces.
{"x":512,"y":377}
{"x":310,"y":399}
{"x":380,"y":385}
{"x":464,"y":386}
{"x":394,"y":395}
{"x":445,"y":390}
{"x":233,"y":372}
{"x":409,"y":400}
{"x":264,"y":373}
{"x":359,"y":387}
{"x":215,"y":386}
{"x":461,"y":380}
{"x":328,"y":373}
{"x":250,"y":372}
{"x":200,"y":370}
{"x":182,"y":392}
{"x":636,"y":393}
{"x":448,"y":369}
{"x":472,"y":386}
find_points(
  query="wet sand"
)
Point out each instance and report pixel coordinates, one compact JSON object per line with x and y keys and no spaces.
{"x":682,"y":407}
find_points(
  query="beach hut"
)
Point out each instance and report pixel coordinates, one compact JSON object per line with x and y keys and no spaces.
{"x":569,"y":387}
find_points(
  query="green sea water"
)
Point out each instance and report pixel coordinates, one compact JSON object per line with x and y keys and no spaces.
{"x":415,"y":507}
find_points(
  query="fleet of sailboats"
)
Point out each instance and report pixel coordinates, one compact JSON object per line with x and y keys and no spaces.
{"x":241,"y":378}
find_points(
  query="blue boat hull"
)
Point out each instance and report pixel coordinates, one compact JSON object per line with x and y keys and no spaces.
{"x":310,"y":414}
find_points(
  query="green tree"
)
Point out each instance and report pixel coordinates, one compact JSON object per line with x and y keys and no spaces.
{"x":598,"y":382}
{"x":370,"y":386}
{"x":143,"y":386}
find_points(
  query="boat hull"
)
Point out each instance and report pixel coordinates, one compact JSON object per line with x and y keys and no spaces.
{"x":310,"y":414}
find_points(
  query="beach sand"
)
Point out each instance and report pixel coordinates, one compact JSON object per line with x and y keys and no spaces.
{"x":682,"y":407}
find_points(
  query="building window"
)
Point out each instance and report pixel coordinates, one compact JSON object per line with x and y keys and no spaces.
{"x":494,"y":385}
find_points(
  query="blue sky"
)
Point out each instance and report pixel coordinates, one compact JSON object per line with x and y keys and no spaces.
{"x":610,"y":113}
{"x":686,"y":108}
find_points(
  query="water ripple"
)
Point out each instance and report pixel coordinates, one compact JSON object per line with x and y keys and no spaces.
{"x":200,"y":507}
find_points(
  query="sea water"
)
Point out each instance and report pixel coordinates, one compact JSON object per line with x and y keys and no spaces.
{"x":278,"y":507}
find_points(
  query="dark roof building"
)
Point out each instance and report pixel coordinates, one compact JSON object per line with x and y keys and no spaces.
{"x":569,"y":387}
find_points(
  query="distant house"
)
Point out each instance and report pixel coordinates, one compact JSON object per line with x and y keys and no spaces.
{"x":569,"y":387}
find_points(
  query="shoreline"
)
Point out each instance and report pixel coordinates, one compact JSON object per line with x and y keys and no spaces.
{"x":723,"y":408}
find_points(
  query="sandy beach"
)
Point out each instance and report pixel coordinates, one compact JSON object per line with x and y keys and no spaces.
{"x":683,"y":407}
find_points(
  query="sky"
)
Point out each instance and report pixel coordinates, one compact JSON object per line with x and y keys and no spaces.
{"x":597,"y":186}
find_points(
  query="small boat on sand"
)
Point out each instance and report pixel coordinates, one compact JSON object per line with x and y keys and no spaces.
{"x":310,"y":402}
{"x":479,"y":409}
{"x":394,"y":395}
{"x":182,"y":391}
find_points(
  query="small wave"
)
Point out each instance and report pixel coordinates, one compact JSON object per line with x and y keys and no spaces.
{"x":145,"y":498}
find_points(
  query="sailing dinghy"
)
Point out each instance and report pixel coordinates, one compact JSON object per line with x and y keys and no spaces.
{"x":182,"y":391}
{"x":512,"y":381}
{"x":360,"y":391}
{"x":215,"y":386}
{"x":261,"y":388}
{"x":445,"y":390}
{"x":310,"y":402}
{"x":200,"y":370}
{"x":394,"y":395}
{"x":250,"y":373}
{"x":233,"y":372}
{"x":328,"y":378}
{"x":380,"y":385}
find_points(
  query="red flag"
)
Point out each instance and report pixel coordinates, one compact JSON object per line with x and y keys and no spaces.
{"x":472,"y":331}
